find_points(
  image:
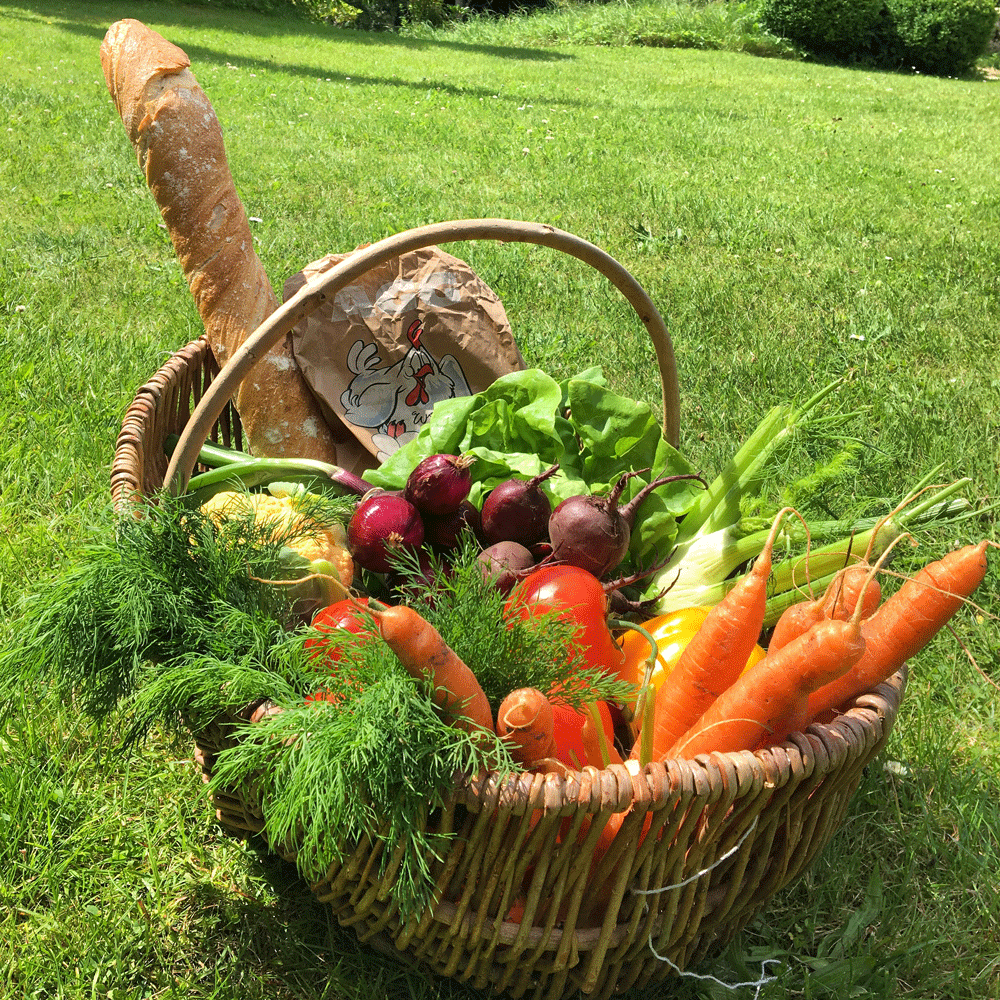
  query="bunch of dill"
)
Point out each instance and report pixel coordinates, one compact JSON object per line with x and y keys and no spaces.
{"x":167,"y":617}
{"x":373,"y":756}
{"x":158,"y":583}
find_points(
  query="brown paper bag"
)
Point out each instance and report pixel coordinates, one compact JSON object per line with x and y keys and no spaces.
{"x":416,"y":330}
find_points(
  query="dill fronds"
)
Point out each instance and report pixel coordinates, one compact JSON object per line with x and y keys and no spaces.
{"x":369,"y":760}
{"x":149,"y":588}
{"x":504,"y":652}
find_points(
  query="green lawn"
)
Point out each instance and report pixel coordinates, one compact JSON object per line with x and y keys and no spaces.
{"x":793,"y":222}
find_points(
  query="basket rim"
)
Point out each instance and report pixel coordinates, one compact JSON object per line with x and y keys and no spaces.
{"x":823,"y":748}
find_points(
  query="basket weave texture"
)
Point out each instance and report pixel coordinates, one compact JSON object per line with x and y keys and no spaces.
{"x":521,"y":905}
{"x":755,"y":820}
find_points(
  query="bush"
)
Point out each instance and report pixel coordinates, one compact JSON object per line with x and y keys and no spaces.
{"x":944,"y":37}
{"x":844,"y":28}
{"x":297,"y":8}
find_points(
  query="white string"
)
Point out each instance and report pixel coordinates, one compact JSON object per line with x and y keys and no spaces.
{"x":758,"y":983}
{"x":704,"y":871}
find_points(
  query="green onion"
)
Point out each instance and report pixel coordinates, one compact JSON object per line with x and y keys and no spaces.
{"x":261,"y":471}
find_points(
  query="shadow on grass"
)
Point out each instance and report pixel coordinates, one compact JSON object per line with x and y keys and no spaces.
{"x":94,"y":17}
{"x":294,"y":946}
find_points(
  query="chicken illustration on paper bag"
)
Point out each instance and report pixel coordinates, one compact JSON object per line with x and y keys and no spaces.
{"x":396,"y":400}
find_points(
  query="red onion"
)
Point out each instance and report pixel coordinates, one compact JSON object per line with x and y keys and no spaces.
{"x":439,"y":483}
{"x":382,"y":522}
{"x":444,"y":531}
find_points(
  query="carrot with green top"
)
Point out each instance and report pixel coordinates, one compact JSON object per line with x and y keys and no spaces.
{"x":906,"y":622}
{"x":839,"y":601}
{"x":753,"y":707}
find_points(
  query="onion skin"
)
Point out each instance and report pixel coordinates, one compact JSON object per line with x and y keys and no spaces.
{"x":444,"y":531}
{"x":439,"y":483}
{"x":381,"y":522}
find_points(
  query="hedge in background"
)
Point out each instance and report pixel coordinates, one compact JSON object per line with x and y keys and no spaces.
{"x":943,"y":37}
{"x":843,"y":28}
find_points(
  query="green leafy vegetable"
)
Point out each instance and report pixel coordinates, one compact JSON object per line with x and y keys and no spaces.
{"x":526,"y":422}
{"x":330,"y":773}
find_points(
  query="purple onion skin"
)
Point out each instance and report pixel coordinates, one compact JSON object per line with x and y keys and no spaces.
{"x":439,"y":483}
{"x":444,"y":531}
{"x":517,"y":510}
{"x":382,"y":520}
{"x":501,"y":562}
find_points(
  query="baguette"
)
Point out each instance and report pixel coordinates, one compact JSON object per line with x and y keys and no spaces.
{"x":178,"y":141}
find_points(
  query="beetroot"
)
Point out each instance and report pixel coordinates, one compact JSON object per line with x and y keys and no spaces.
{"x":439,"y":483}
{"x":381,"y":523}
{"x":502,"y":561}
{"x":593,"y":532}
{"x":517,"y":510}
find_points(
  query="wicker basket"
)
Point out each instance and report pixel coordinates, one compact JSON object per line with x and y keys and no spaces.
{"x":725,"y":831}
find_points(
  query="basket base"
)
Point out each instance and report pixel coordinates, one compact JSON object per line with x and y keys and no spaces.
{"x":524,"y":906}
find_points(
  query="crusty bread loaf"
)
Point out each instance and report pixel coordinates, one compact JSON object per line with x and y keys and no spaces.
{"x":178,"y":141}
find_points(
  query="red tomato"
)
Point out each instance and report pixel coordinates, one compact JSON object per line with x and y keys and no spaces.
{"x":345,"y":615}
{"x":581,"y":595}
{"x":568,"y":723}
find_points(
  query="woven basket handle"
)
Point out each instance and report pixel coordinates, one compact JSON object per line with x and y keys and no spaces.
{"x":327,"y":284}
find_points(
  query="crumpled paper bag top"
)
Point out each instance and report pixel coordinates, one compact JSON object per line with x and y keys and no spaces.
{"x":413,"y":331}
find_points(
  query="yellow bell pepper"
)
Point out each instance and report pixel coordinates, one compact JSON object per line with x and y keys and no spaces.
{"x":671,"y":632}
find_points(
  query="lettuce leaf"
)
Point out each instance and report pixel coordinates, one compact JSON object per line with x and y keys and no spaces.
{"x":527,"y":421}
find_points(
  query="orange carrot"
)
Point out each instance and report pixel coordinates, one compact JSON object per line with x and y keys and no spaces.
{"x":715,"y":656}
{"x":839,"y":601}
{"x":752,"y":708}
{"x":795,"y":620}
{"x":526,"y":722}
{"x":426,"y":656}
{"x":796,"y":719}
{"x":855,"y":584}
{"x":906,"y":622}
